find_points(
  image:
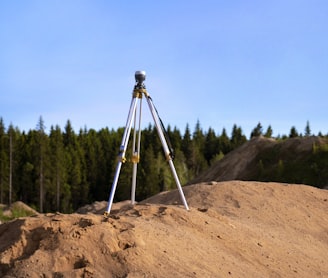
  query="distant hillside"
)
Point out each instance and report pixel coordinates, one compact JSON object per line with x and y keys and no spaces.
{"x":295,"y":160}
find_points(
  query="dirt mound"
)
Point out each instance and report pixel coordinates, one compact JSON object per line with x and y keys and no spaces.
{"x":234,"y":165}
{"x":22,"y":207}
{"x":233,"y":229}
{"x":101,"y":207}
{"x":243,"y":162}
{"x":19,"y":208}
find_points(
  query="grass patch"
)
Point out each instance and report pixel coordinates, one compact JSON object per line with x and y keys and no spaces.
{"x":15,"y":213}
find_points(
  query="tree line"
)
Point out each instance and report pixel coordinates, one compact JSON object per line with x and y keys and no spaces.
{"x":62,"y":170}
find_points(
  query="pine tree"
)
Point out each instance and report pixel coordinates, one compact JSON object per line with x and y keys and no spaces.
{"x":257,"y":131}
{"x":29,"y":190}
{"x":186,"y":141}
{"x":84,"y":186}
{"x":175,"y":138}
{"x":58,"y":175}
{"x":198,"y":137}
{"x":3,"y":161}
{"x":293,"y":132}
{"x":224,"y":142}
{"x":11,"y":150}
{"x":148,"y":181}
{"x":198,"y":145}
{"x":237,"y":137}
{"x":191,"y":148}
{"x":107,"y":158}
{"x":187,"y":148}
{"x":76,"y":168}
{"x":72,"y":164}
{"x":269,"y":132}
{"x":42,"y":142}
{"x":211,"y":145}
{"x":307,"y":129}
{"x":14,"y":153}
{"x":21,"y":177}
{"x":91,"y":144}
{"x":69,"y":137}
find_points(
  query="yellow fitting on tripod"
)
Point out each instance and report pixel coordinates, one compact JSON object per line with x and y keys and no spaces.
{"x":135,"y":158}
{"x":138,"y":92}
{"x":121,"y":159}
{"x":168,"y":157}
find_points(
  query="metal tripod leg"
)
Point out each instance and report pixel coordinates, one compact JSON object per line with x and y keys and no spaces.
{"x":166,"y":149}
{"x":135,"y":153}
{"x":121,"y":155}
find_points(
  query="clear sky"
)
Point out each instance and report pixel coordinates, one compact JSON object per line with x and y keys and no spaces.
{"x":214,"y":61}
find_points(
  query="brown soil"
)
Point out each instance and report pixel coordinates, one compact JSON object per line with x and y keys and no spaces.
{"x":233,"y":229}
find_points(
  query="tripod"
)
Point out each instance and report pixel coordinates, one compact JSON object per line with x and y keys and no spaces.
{"x":138,"y":92}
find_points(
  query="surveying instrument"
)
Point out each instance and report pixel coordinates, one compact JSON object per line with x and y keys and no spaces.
{"x":138,"y":92}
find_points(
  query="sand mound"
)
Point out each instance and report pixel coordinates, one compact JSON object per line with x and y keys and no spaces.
{"x":101,"y":207}
{"x":233,"y":229}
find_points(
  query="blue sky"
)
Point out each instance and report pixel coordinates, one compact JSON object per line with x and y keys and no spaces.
{"x":217,"y":62}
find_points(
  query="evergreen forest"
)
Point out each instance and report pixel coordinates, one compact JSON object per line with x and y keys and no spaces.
{"x":61,"y":170}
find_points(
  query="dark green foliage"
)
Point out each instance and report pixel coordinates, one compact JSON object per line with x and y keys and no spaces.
{"x":60,"y":198}
{"x":211,"y":145}
{"x":293,"y":132}
{"x":269,"y":132}
{"x":148,"y":181}
{"x":307,"y":131}
{"x":4,"y":162}
{"x":257,"y":131}
{"x":292,"y":166}
{"x":237,"y":137}
{"x":225,"y":145}
{"x":42,"y":158}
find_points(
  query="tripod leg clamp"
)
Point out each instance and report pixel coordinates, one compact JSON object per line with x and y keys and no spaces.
{"x":168,"y":156}
{"x":139,"y":91}
{"x":135,"y":158}
{"x":121,"y":158}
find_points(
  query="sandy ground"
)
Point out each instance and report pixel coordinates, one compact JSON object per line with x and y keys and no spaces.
{"x":233,"y":229}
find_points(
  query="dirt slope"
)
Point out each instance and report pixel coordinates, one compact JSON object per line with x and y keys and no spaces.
{"x":233,"y":229}
{"x":241,"y":163}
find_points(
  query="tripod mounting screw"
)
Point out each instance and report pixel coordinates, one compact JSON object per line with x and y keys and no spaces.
{"x":140,"y":76}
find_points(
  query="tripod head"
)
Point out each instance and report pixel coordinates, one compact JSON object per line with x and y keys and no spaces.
{"x":140,"y":77}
